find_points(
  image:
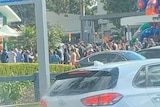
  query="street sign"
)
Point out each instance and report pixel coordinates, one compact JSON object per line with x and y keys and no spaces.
{"x":8,"y":1}
{"x":15,"y":2}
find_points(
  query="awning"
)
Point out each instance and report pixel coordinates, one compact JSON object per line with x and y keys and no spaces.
{"x":10,"y":14}
{"x":9,"y":32}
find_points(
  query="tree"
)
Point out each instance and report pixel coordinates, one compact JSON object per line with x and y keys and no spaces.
{"x":119,"y":6}
{"x":28,"y":38}
{"x":68,"y":6}
{"x":25,"y":12}
{"x":55,"y":34}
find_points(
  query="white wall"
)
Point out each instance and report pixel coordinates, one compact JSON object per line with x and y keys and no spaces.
{"x":70,"y":24}
{"x":137,"y":20}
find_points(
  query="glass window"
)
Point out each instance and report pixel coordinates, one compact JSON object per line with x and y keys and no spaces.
{"x":140,"y":79}
{"x":85,"y":59}
{"x":79,"y":82}
{"x":152,"y":53}
{"x":154,"y":75}
{"x":100,"y":57}
{"x":143,"y":53}
{"x":116,"y":58}
{"x":133,"y":55}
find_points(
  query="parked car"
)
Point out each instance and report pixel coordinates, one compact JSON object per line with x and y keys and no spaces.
{"x":153,"y":52}
{"x":119,"y":84}
{"x":109,"y":56}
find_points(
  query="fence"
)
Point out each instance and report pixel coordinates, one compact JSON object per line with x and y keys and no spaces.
{"x":34,"y":78}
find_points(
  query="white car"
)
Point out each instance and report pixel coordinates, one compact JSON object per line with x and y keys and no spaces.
{"x":121,"y":84}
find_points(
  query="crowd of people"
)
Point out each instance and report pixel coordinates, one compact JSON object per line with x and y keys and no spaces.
{"x":16,"y":55}
{"x":70,"y":53}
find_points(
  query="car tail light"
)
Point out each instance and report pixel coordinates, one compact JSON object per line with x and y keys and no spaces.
{"x":43,"y":103}
{"x":102,"y":99}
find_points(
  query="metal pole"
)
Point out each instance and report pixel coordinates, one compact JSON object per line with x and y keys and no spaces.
{"x":42,"y":46}
{"x":82,"y":12}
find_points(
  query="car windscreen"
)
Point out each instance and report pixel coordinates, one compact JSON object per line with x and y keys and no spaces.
{"x":83,"y":81}
{"x":133,"y":56}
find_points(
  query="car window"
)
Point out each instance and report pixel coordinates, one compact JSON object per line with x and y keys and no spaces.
{"x":140,"y":78}
{"x":85,"y":59}
{"x":154,"y":75}
{"x":100,"y":57}
{"x":116,"y":58}
{"x":143,"y":52}
{"x":132,"y":56}
{"x":79,"y":82}
{"x":152,"y":53}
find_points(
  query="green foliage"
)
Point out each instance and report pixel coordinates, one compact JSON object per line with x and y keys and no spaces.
{"x":55,"y":34}
{"x":116,"y":6}
{"x":11,"y":92}
{"x":68,"y":6}
{"x":25,"y":12}
{"x":119,"y":6}
{"x":29,"y":68}
{"x":28,"y":37}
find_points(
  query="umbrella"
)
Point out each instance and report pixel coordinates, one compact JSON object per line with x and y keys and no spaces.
{"x":9,"y":31}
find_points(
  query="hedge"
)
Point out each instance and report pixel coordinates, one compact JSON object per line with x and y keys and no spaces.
{"x":8,"y":69}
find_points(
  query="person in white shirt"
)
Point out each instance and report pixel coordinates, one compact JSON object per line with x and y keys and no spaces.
{"x":12,"y":56}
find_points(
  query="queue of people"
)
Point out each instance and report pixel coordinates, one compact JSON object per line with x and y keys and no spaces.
{"x":71,"y":53}
{"x":15,"y":55}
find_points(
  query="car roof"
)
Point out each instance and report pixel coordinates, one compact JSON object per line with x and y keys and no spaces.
{"x":113,"y":51}
{"x":109,"y":51}
{"x":155,"y":47}
{"x":137,"y":63}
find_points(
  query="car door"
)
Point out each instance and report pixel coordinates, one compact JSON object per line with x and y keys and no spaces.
{"x":153,"y":87}
{"x":139,"y":97}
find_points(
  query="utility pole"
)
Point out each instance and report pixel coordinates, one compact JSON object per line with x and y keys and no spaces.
{"x":42,"y":46}
{"x":82,"y":13}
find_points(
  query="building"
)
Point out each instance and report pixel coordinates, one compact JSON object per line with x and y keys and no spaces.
{"x":72,"y":24}
{"x":7,"y":15}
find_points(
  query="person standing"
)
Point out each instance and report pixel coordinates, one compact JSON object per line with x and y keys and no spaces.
{"x":50,"y":55}
{"x":60,"y":53}
{"x":20,"y":57}
{"x":66,"y":56}
{"x":4,"y":56}
{"x":73,"y":57}
{"x":55,"y":58}
{"x":12,"y":56}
